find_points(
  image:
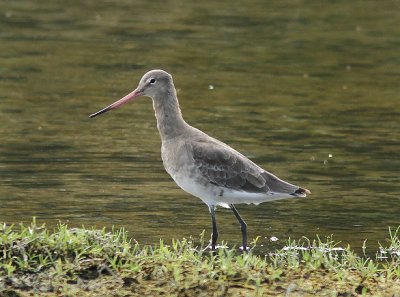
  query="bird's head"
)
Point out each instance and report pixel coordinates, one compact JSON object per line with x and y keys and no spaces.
{"x":153,"y":84}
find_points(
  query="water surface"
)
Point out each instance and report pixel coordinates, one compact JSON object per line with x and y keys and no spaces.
{"x":310,"y":91}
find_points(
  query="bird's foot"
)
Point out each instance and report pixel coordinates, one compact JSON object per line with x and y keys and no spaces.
{"x":244,"y":249}
{"x":213,"y":248}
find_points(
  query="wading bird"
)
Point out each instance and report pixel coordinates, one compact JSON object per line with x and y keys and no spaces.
{"x":204,"y":166}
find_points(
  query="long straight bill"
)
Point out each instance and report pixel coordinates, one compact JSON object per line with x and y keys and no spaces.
{"x":134,"y":94}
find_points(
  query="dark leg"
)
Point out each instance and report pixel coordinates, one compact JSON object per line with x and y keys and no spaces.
{"x":214,"y":235}
{"x":243,"y":226}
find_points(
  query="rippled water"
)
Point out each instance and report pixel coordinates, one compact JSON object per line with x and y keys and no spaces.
{"x":310,"y":91}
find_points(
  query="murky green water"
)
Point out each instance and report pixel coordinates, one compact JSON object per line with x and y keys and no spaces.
{"x":309,"y":91}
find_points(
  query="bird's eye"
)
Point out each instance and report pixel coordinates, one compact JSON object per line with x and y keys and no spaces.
{"x":152,"y":81}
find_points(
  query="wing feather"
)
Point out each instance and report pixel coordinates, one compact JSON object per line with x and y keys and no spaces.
{"x":225,"y":167}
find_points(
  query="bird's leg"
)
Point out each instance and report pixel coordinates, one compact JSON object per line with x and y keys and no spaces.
{"x":243,"y":226}
{"x":214,"y":235}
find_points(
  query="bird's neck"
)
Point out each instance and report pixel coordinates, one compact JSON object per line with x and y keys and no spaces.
{"x":170,"y":122}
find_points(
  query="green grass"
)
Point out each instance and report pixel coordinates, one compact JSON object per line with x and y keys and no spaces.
{"x":72,"y":261}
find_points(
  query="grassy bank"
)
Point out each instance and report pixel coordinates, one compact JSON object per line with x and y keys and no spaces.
{"x":70,"y":262}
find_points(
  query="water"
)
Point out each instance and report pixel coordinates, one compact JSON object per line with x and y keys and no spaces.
{"x":310,"y":91}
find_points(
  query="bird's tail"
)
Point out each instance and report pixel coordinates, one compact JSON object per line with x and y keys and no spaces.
{"x":277,"y":185}
{"x":301,"y":192}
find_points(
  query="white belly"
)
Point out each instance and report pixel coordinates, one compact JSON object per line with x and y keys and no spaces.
{"x":214,"y":195}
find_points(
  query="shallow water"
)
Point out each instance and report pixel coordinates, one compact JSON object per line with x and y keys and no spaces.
{"x":308,"y":91}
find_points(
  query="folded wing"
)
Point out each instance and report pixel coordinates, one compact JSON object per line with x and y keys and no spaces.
{"x":227,"y":168}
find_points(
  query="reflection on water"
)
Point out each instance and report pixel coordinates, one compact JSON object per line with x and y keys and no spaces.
{"x":309,"y":91}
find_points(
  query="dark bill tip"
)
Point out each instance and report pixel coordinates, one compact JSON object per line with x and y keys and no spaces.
{"x":99,"y":112}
